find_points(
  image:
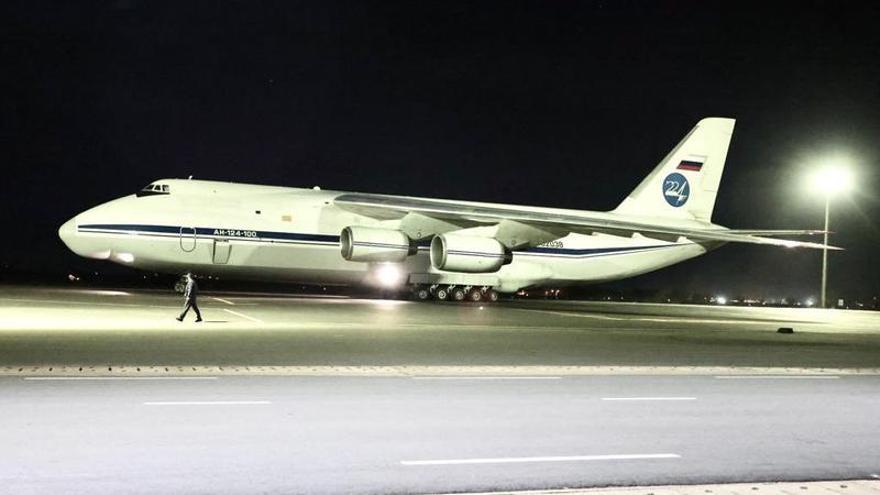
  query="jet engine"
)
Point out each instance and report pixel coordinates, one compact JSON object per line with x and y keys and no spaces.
{"x":458,"y":253}
{"x":373,"y":244}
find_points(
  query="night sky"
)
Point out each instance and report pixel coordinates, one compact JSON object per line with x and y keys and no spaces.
{"x":552,"y":103}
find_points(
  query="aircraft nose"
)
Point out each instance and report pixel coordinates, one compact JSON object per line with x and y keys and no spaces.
{"x":67,"y":231}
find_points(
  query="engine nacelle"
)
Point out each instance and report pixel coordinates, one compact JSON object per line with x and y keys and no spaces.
{"x":374,"y":244}
{"x":459,"y":253}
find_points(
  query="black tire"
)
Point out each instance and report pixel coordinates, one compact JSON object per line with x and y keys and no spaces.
{"x":491,"y":295}
{"x":441,"y":294}
{"x":475,"y":295}
{"x":458,"y":294}
{"x":422,"y":294}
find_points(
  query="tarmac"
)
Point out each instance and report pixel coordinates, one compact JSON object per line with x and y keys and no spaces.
{"x":106,"y":328}
{"x":104,"y":392}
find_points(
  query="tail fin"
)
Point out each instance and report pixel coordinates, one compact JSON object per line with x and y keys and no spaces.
{"x":685,"y":183}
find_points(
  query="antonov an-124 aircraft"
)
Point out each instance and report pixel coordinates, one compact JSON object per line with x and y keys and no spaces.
{"x":443,"y":249}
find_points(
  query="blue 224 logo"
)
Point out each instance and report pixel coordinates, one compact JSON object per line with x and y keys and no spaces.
{"x":676,"y":189}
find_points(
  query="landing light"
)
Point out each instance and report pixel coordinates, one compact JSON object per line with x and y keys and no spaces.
{"x":125,"y":257}
{"x":389,"y":275}
{"x":721,"y":300}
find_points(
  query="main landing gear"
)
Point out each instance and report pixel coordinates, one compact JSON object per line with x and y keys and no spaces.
{"x":456,"y":293}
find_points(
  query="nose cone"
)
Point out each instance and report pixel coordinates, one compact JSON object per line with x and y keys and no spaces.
{"x":80,"y":244}
{"x":67,"y":232}
{"x":76,"y":242}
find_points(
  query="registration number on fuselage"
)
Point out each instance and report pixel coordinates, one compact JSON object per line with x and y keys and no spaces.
{"x":551,"y":244}
{"x":235,"y":233}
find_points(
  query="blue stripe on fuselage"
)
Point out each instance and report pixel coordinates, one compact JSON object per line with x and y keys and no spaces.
{"x":209,"y":232}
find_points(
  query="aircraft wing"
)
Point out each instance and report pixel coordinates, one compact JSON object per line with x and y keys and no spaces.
{"x":462,"y":214}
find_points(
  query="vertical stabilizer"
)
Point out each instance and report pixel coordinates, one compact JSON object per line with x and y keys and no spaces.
{"x":685,"y":183}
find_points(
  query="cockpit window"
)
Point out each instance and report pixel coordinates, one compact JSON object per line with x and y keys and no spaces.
{"x":154,"y":189}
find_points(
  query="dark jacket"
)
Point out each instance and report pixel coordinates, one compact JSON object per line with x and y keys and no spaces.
{"x":192,"y":290}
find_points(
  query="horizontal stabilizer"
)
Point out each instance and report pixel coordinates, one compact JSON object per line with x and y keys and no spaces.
{"x":774,"y":233}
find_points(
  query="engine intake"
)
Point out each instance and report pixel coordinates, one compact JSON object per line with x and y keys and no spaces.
{"x":373,"y":244}
{"x":458,"y":253}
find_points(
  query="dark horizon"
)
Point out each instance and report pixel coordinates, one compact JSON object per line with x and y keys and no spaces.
{"x":552,"y":104}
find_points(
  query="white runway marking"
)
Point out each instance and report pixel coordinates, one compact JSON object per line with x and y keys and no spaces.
{"x":87,"y":378}
{"x":246,"y":317}
{"x":654,"y":319}
{"x":223,"y":300}
{"x":777,"y":377}
{"x":646,"y":398}
{"x":209,"y":403}
{"x":511,"y":460}
{"x":487,"y":378}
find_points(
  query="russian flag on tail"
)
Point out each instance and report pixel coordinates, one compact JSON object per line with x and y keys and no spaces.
{"x":693,"y":163}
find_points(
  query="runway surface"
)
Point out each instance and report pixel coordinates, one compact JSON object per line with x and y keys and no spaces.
{"x":235,"y":434}
{"x":41,"y":327}
{"x":104,"y":392}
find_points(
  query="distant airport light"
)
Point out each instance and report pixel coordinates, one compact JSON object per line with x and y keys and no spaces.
{"x":720,"y":299}
{"x":389,"y":275}
{"x":809,"y":303}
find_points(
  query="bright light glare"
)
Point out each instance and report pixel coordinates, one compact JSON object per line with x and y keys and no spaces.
{"x":721,"y":300}
{"x":389,"y":275}
{"x":107,"y":292}
{"x":809,"y":302}
{"x":125,"y":257}
{"x":832,"y":179}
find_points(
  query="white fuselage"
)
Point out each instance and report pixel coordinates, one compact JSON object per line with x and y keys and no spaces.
{"x":288,"y":234}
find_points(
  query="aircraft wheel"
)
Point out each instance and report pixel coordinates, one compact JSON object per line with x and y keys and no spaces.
{"x":475,"y":295}
{"x":491,"y":295}
{"x":441,"y":294}
{"x":458,"y":294}
{"x":422,"y":293}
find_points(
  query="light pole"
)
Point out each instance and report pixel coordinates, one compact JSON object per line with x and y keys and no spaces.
{"x":825,"y":253}
{"x":830,"y":180}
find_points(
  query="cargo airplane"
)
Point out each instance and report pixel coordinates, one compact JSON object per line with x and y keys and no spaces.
{"x":443,"y":249}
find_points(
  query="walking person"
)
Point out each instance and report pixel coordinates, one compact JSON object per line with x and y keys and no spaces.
{"x":191,"y":294}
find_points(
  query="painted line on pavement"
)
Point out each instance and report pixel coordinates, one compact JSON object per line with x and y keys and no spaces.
{"x":223,"y":300}
{"x":648,"y":318}
{"x":246,"y":317}
{"x":209,"y":403}
{"x":486,"y":377}
{"x":512,"y":460}
{"x":647,"y":398}
{"x":777,"y":377}
{"x":93,"y":378}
